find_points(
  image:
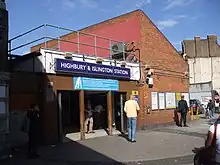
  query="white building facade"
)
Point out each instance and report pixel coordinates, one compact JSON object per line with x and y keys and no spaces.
{"x":203,"y":57}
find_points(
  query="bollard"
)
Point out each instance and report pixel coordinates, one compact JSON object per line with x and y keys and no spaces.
{"x":191,"y":110}
{"x":197,"y":113}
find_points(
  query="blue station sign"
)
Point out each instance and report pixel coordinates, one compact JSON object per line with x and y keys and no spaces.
{"x":86,"y":83}
{"x":69,"y":66}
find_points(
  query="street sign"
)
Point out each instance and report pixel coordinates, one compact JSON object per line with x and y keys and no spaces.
{"x":135,"y":93}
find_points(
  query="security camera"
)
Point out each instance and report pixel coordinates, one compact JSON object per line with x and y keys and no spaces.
{"x":184,"y":56}
{"x":186,"y":73}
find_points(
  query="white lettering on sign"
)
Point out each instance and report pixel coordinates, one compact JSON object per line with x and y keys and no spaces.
{"x":120,"y":71}
{"x":101,"y":69}
{"x":73,"y":66}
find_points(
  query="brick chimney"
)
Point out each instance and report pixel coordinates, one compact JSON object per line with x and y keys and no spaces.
{"x":3,"y":36}
{"x":212,"y":44}
{"x":197,"y":46}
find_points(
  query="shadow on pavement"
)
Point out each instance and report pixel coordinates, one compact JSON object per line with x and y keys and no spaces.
{"x":203,"y":156}
{"x":181,"y":132}
{"x":71,"y":153}
{"x":124,"y":135}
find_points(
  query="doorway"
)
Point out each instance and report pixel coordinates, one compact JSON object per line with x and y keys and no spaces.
{"x":119,"y":117}
{"x":98,"y":101}
{"x":69,"y":112}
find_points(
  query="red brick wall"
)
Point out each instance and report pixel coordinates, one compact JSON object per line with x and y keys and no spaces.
{"x":169,"y":68}
{"x":128,"y":30}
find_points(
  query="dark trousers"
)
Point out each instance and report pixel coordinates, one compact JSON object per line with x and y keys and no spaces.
{"x":183,"y":118}
{"x":32,"y":145}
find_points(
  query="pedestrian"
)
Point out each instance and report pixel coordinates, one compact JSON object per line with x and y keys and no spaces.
{"x":217,"y":106}
{"x":97,"y":116}
{"x":182,"y":109}
{"x":211,"y":107}
{"x":89,"y":118}
{"x":131,"y":108}
{"x":33,"y":116}
{"x":210,"y":154}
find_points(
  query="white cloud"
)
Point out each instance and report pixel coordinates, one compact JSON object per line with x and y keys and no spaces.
{"x":170,"y":22}
{"x":141,"y":3}
{"x":83,"y":3}
{"x":180,"y":16}
{"x":130,"y":5}
{"x":176,"y":3}
{"x":166,"y":23}
{"x":69,"y":4}
{"x":89,"y":3}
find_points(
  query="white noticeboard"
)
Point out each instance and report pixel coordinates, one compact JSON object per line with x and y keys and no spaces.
{"x":170,"y":100}
{"x":154,"y":100}
{"x":161,"y":100}
{"x":186,"y":97}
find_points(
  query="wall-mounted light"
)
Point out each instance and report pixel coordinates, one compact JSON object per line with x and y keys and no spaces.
{"x":149,"y":73}
{"x":146,"y":68}
{"x":185,"y":56}
{"x":68,"y":55}
{"x":186,"y":74}
{"x":99,"y":60}
{"x":123,"y":64}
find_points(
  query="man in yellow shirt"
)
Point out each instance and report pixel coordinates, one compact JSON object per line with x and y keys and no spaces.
{"x":131,"y":107}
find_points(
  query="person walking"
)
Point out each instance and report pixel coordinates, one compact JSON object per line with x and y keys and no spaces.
{"x":89,"y":118}
{"x":33,"y":115}
{"x":131,"y":108}
{"x":217,"y":106}
{"x":182,"y":109}
{"x":210,"y":107}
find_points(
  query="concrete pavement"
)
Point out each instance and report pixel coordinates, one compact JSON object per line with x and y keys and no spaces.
{"x":168,"y":146}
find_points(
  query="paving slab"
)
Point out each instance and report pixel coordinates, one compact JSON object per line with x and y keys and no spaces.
{"x":162,"y":146}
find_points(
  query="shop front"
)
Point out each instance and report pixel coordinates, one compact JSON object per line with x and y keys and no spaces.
{"x":79,"y":83}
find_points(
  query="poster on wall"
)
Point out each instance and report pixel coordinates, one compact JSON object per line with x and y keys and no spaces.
{"x":161,"y":100}
{"x":178,"y":98}
{"x":154,"y":101}
{"x":170,"y":100}
{"x":186,"y":97}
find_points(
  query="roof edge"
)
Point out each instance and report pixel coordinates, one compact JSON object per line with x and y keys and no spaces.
{"x":160,"y":31}
{"x":105,"y":21}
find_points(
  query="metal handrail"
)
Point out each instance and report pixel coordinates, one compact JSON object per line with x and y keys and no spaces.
{"x":89,"y":45}
{"x":20,"y":35}
{"x":90,"y":34}
{"x":59,"y":39}
{"x":58,"y":27}
{"x":23,"y":45}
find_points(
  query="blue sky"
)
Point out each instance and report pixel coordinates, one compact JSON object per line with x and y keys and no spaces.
{"x":177,"y":19}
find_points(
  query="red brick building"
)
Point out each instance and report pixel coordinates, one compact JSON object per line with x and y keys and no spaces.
{"x":154,"y":50}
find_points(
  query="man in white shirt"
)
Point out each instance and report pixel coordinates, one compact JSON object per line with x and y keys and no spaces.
{"x":131,"y":107}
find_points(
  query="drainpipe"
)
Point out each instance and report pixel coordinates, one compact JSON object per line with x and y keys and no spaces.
{"x":3,"y":36}
{"x":141,"y":92}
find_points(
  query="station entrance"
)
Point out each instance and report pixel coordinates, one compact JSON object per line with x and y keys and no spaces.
{"x":119,"y":117}
{"x":69,"y":113}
